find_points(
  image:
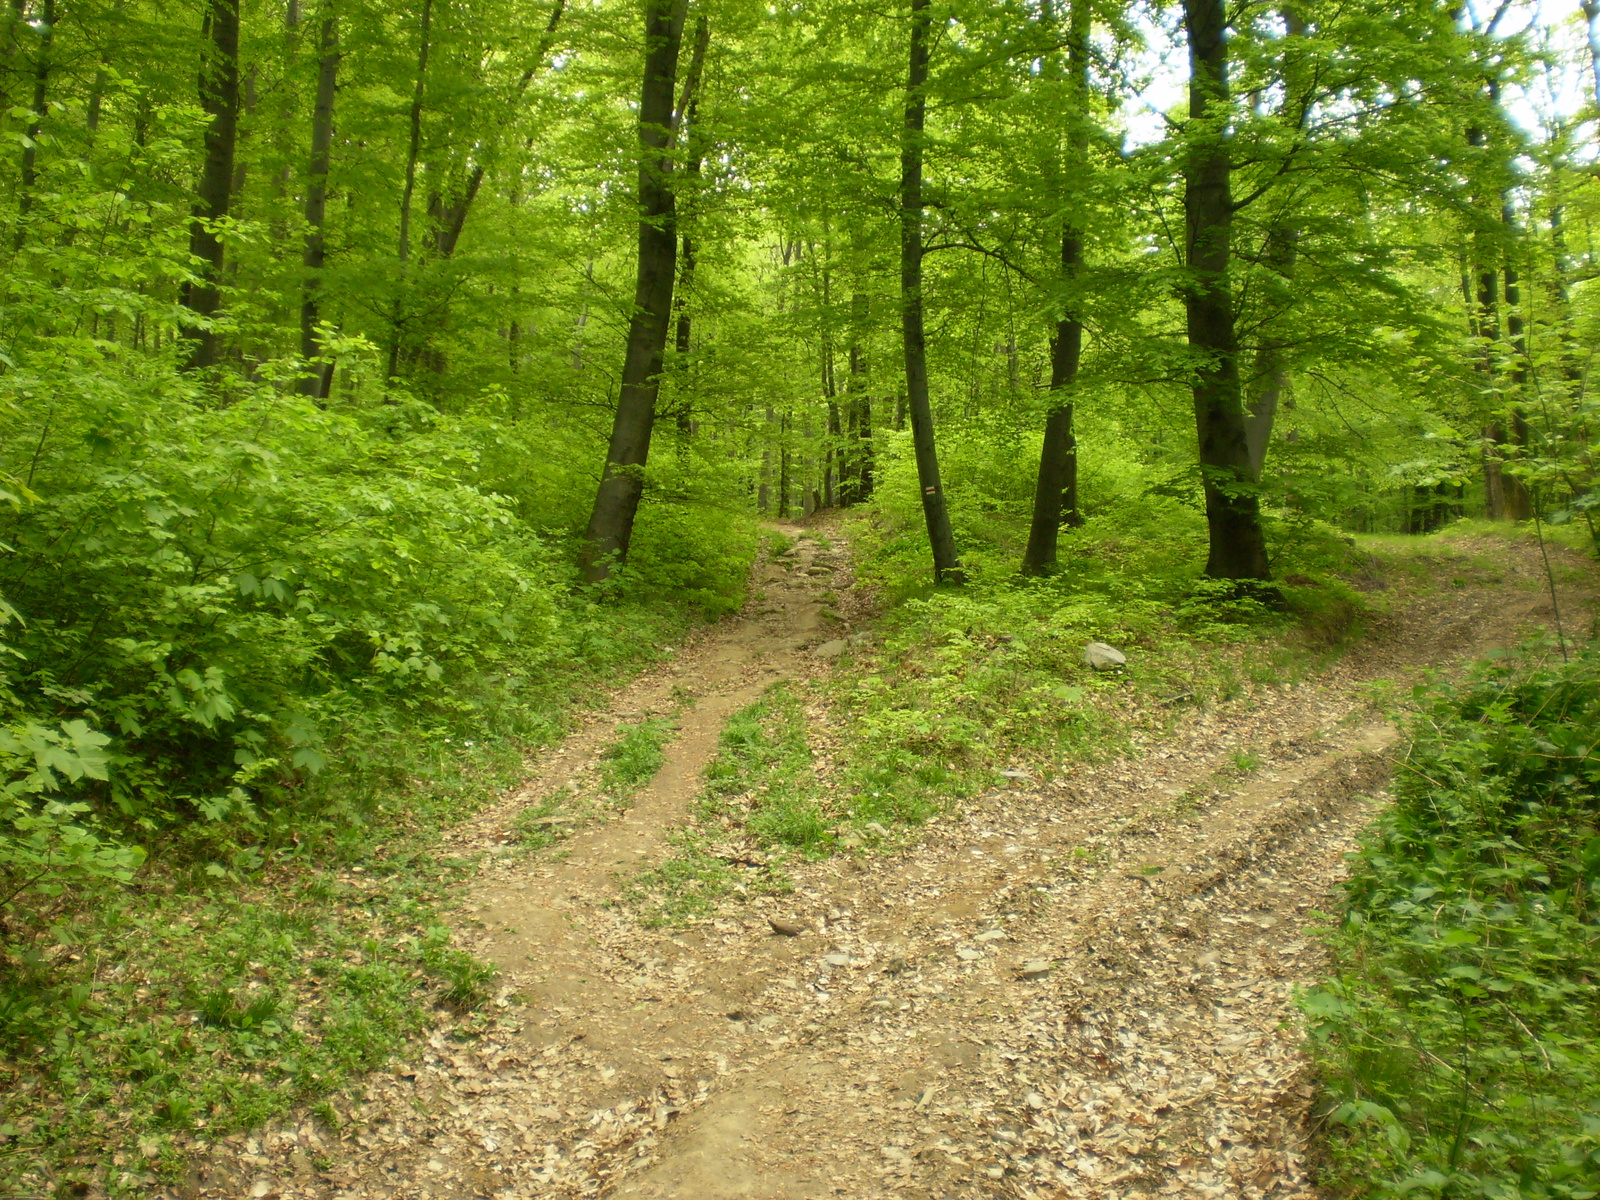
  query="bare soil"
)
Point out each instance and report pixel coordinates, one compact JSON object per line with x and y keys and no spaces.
{"x":1081,"y":988}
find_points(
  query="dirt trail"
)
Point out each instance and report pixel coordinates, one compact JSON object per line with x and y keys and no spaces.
{"x":1077,"y":989}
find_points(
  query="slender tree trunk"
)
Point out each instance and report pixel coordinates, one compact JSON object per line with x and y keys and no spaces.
{"x":946,"y":565}
{"x":784,"y":483}
{"x":30,"y":147}
{"x":1055,"y":497}
{"x":314,"y":382}
{"x":689,"y":137}
{"x":862,"y":472}
{"x":1238,"y":548}
{"x":616,"y":503}
{"x":1280,"y":253}
{"x":1517,"y":499}
{"x":451,"y":216}
{"x":413,"y":155}
{"x":219,"y":97}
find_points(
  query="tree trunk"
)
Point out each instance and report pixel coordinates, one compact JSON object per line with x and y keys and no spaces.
{"x":413,"y":154}
{"x":314,"y":382}
{"x":1279,"y":254}
{"x":946,"y":566}
{"x":30,"y":145}
{"x":451,"y":217}
{"x":616,"y":503}
{"x":219,"y":97}
{"x":1238,"y":548}
{"x":1055,"y":496}
{"x":688,"y":136}
{"x":857,"y":469}
{"x":1517,"y":500}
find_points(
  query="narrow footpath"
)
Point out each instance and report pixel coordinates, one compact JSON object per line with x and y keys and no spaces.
{"x":1075,"y":989}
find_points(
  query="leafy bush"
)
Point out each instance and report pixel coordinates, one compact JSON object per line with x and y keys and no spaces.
{"x":227,"y":591}
{"x":1458,"y":1038}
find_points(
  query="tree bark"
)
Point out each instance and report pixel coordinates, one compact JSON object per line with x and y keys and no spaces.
{"x":219,"y":97}
{"x":314,"y":382}
{"x":946,"y":565}
{"x":1270,"y":376}
{"x":30,"y":145}
{"x":451,"y":218}
{"x":1055,"y":497}
{"x":1516,"y":498}
{"x":616,"y":503}
{"x":855,"y":472}
{"x":1238,"y":547}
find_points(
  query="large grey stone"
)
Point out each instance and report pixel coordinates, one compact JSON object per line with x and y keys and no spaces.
{"x":1103,"y":657}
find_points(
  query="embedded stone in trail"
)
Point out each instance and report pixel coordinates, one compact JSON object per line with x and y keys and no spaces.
{"x":1103,"y":657}
{"x":830,"y":649}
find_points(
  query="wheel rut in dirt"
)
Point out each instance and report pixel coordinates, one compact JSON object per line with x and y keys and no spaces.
{"x":1077,"y":988}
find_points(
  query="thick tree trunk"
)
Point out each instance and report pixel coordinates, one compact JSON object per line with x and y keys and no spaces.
{"x":616,"y":503}
{"x":219,"y":97}
{"x":314,"y":382}
{"x":1238,"y":548}
{"x":30,"y":146}
{"x":946,"y":566}
{"x":1055,"y":497}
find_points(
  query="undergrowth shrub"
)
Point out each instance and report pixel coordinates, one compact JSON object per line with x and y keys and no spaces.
{"x":1457,"y":1038}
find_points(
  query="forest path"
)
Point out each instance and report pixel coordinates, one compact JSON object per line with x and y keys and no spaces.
{"x":1077,"y":989}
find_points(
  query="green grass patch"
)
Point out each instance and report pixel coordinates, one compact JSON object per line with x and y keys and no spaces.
{"x":632,"y":760}
{"x":685,"y":887}
{"x":192,"y":1009}
{"x":626,"y":765}
{"x":1457,"y":1039}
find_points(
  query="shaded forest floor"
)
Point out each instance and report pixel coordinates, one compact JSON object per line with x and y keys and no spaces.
{"x":1074,"y":987}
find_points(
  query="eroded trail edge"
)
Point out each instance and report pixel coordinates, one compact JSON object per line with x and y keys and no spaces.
{"x":1081,"y":988}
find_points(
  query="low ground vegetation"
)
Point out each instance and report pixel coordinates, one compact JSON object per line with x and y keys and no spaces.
{"x":1457,"y":1038}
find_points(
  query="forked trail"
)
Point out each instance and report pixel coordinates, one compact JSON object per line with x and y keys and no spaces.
{"x":1080,"y":989}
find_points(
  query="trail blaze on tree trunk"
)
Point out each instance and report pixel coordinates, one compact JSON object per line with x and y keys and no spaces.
{"x":1238,"y":548}
{"x":219,"y":97}
{"x":1055,"y":497}
{"x":314,"y":382}
{"x":946,"y":566}
{"x":616,"y":503}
